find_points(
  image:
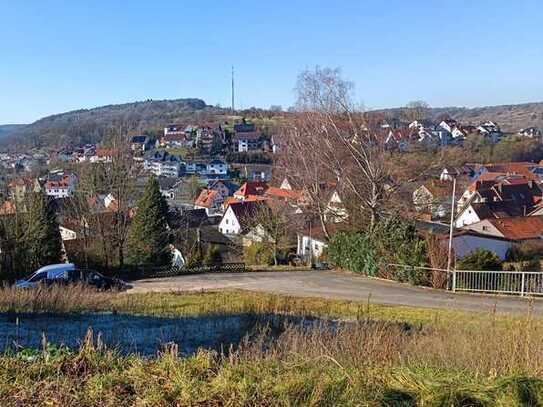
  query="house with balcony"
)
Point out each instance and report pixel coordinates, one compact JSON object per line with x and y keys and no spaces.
{"x":161,"y":163}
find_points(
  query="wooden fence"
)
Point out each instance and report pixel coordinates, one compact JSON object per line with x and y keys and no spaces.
{"x":139,"y":273}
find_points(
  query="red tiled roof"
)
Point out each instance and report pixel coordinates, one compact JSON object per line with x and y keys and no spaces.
{"x":520,"y":228}
{"x":206,"y":198}
{"x":252,"y":188}
{"x":438,"y":188}
{"x":275,"y":192}
{"x":107,"y":152}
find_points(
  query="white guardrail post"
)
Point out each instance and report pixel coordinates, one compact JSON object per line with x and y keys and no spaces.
{"x":454,"y":280}
{"x":522,"y":285}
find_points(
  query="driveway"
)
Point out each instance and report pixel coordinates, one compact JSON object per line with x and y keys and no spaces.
{"x":342,"y":286}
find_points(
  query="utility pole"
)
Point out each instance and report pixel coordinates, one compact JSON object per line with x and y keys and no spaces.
{"x":451,"y":228}
{"x":233,"y":106}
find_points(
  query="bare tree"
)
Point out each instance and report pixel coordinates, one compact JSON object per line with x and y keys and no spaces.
{"x":271,"y":225}
{"x":332,"y":141}
{"x":416,"y":110}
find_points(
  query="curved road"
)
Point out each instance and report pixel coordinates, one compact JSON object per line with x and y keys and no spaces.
{"x":339,"y":285}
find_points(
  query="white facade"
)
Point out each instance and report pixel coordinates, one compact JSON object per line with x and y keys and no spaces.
{"x":162,"y":168}
{"x":67,"y":234}
{"x":60,"y":192}
{"x":308,"y":246}
{"x":466,"y":217}
{"x":217,"y":167}
{"x":229,"y":224}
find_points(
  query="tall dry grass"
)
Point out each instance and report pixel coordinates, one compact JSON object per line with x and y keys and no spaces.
{"x":53,"y":299}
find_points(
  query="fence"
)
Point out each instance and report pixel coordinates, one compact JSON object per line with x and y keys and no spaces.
{"x":499,"y":282}
{"x":523,"y":283}
{"x":139,"y":273}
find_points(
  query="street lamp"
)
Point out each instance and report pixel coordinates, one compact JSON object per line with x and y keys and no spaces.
{"x":451,"y":228}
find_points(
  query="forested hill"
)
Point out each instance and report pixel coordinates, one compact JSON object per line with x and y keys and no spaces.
{"x":509,"y":117}
{"x":90,"y":125}
{"x":7,"y":129}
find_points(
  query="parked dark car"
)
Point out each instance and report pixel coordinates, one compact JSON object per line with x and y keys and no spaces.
{"x":65,"y":274}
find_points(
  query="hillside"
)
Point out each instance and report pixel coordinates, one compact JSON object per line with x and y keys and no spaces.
{"x":509,"y":117}
{"x":91,"y":125}
{"x":7,"y":129}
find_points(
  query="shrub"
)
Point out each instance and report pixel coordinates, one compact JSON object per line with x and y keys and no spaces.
{"x":529,"y":250}
{"x":353,"y":251}
{"x":257,"y":254}
{"x":480,"y":259}
{"x":213,"y":256}
{"x":393,"y":240}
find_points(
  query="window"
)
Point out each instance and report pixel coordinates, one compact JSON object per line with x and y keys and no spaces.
{"x":37,"y":277}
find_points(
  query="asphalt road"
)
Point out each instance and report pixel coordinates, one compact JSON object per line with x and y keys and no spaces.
{"x":343,"y":286}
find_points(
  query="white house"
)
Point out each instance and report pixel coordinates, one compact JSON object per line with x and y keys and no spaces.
{"x":335,"y":210}
{"x":217,"y":167}
{"x":237,"y":216}
{"x":468,"y":215}
{"x":60,"y":185}
{"x":162,"y":163}
{"x":247,"y":141}
{"x":311,"y":244}
{"x":210,"y":200}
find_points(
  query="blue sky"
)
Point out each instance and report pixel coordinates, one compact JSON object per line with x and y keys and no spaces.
{"x":57,"y":56}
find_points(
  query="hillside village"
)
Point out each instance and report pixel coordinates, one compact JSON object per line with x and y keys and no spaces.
{"x":225,"y":182}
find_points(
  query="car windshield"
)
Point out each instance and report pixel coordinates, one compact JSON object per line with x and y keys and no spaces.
{"x":37,"y":277}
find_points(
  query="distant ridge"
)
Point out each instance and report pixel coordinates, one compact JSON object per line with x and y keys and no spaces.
{"x":7,"y":129}
{"x":91,"y":125}
{"x":510,"y":117}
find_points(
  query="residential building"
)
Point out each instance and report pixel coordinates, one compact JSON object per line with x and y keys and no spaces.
{"x":515,"y":228}
{"x":60,"y":184}
{"x":161,"y":163}
{"x":210,"y":200}
{"x":251,"y":189}
{"x":530,"y":132}
{"x":434,"y":197}
{"x":311,"y":243}
{"x":104,"y":155}
{"x":217,"y":167}
{"x":254,"y":172}
{"x":169,"y":186}
{"x":223,"y":187}
{"x":497,"y":199}
{"x":141,"y":144}
{"x":237,"y":217}
{"x":248,"y":141}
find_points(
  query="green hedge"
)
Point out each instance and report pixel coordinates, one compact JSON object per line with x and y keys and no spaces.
{"x":393,"y":240}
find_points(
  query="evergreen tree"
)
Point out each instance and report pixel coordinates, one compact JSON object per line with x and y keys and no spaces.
{"x":148,"y":239}
{"x":42,"y":238}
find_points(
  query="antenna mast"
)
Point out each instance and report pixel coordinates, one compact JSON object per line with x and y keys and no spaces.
{"x":233,"y":107}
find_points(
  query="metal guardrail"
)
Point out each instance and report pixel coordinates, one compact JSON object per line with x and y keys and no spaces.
{"x":499,"y":282}
{"x":523,"y":283}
